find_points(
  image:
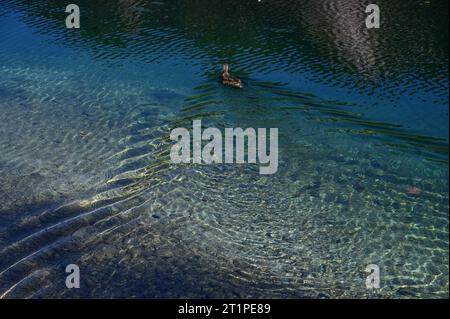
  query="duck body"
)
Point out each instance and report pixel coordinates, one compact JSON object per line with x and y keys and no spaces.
{"x":230,"y":80}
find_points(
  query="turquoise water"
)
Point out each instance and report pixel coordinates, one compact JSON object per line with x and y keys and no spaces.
{"x":84,"y":151}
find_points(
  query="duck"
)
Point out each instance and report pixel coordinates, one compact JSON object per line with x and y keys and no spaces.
{"x":230,"y":80}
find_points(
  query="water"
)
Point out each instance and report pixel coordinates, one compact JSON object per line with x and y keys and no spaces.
{"x":85,"y":172}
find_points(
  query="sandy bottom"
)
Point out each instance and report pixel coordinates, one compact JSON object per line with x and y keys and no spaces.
{"x":86,"y":180}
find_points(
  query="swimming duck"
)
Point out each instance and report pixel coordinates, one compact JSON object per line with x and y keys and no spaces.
{"x":228,"y":79}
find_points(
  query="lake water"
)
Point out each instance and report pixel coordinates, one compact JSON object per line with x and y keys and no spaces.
{"x":86,"y":179}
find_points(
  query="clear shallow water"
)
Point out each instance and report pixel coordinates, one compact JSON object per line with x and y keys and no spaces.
{"x":84,"y":169}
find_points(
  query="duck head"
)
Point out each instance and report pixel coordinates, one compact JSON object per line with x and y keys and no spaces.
{"x":225,"y":69}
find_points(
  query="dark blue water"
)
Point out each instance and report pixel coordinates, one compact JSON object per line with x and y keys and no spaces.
{"x":86,"y":179}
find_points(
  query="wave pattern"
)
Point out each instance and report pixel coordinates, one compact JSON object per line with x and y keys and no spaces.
{"x":86,"y":176}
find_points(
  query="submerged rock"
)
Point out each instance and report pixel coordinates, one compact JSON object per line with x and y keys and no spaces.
{"x":84,"y":232}
{"x":165,"y":253}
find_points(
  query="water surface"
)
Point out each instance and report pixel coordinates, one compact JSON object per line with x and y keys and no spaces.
{"x":84,"y":152}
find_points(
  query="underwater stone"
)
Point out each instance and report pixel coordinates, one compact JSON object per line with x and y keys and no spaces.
{"x":83,"y":232}
{"x":164,"y":253}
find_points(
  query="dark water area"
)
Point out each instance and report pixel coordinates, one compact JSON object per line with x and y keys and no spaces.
{"x":86,"y":179}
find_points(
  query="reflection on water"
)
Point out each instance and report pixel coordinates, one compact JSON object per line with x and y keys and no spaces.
{"x":84,"y":150}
